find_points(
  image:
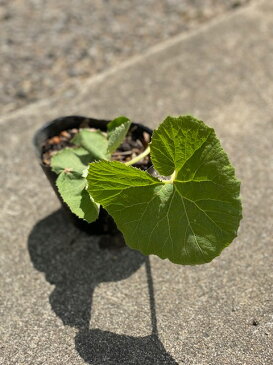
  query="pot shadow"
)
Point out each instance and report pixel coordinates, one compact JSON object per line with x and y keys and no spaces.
{"x":75,"y":266}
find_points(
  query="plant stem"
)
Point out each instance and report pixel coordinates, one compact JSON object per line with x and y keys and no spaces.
{"x":139,"y":157}
{"x":151,"y":295}
{"x":171,"y":180}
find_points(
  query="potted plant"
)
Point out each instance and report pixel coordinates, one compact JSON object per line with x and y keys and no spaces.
{"x":188,"y":210}
{"x":58,"y":134}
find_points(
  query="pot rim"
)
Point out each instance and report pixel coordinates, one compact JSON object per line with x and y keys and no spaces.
{"x":37,"y":138}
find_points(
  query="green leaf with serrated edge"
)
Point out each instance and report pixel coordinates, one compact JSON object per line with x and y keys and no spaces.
{"x":73,"y":159}
{"x":189,"y":219}
{"x":72,"y":188}
{"x":94,"y":142}
{"x":175,"y":141}
{"x":70,"y":163}
{"x":117,"y":130}
{"x":116,"y":123}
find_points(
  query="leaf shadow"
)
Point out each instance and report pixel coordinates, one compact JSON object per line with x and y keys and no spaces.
{"x":75,"y":264}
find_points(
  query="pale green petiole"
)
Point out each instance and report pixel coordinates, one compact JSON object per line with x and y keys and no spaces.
{"x":139,"y":157}
{"x":85,"y":172}
{"x":171,"y":180}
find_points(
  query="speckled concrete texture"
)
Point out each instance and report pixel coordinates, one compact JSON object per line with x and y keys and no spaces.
{"x":64,"y":300}
{"x":47,"y":46}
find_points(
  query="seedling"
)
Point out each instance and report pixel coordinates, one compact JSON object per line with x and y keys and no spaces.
{"x":71,"y":165}
{"x":188,"y":214}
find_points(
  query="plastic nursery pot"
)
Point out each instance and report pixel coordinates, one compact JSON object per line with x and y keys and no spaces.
{"x":105,"y":223}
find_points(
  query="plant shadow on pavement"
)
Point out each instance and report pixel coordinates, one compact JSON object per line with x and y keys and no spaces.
{"x":76,"y":266}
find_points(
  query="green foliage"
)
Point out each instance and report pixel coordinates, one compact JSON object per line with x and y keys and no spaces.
{"x":95,"y":142}
{"x":188,"y":219}
{"x":71,"y":164}
{"x":117,"y":130}
{"x":74,"y":159}
{"x":72,"y":187}
{"x":175,"y":141}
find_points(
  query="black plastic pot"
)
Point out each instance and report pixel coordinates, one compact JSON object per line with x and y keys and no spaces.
{"x":105,"y":223}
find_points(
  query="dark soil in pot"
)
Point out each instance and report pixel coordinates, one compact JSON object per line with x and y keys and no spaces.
{"x":132,"y":146}
{"x":57,"y":135}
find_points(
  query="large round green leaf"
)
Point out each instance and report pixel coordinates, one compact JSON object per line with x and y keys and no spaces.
{"x":188,"y":219}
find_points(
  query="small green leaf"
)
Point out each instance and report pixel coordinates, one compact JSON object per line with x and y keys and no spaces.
{"x":111,"y":126}
{"x":72,"y":159}
{"x":189,"y":219}
{"x":94,"y":142}
{"x":117,"y":130}
{"x":72,"y":188}
{"x":69,"y":164}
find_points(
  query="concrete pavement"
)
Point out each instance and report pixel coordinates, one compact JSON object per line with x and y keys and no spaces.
{"x":63,"y":300}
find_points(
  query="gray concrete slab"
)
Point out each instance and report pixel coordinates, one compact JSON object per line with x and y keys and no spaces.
{"x":44,"y":44}
{"x":63,"y":300}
